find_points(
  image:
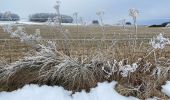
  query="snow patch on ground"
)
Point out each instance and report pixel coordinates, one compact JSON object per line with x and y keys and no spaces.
{"x":166,"y":88}
{"x":104,"y":91}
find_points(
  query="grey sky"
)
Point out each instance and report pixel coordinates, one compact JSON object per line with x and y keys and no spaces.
{"x":114,"y":9}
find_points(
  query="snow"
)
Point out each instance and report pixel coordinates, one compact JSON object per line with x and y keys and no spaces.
{"x":154,"y":98}
{"x":20,"y":23}
{"x":104,"y":91}
{"x":166,"y":88}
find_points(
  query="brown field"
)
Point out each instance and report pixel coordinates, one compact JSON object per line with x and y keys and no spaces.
{"x":83,"y":40}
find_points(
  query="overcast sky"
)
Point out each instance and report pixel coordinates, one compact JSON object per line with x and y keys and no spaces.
{"x":114,"y":9}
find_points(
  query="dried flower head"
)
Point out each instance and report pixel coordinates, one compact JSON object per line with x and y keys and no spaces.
{"x":134,"y":13}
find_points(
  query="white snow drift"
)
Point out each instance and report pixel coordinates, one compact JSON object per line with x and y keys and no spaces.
{"x":166,"y":88}
{"x":104,"y":91}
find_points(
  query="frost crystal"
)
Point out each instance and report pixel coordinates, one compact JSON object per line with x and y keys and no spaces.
{"x":159,"y":42}
{"x":126,"y":69}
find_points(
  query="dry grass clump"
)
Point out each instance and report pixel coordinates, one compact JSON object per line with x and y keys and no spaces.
{"x":145,"y":82}
{"x":51,"y":67}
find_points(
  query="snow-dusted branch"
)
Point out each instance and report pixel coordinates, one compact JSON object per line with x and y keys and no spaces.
{"x":30,"y":39}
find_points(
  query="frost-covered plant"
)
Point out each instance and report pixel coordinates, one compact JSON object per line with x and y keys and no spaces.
{"x":49,"y":21}
{"x":31,"y":58}
{"x":32,"y":40}
{"x":159,"y":42}
{"x":7,"y":28}
{"x":20,"y":33}
{"x":123,"y":22}
{"x":75,"y":16}
{"x":134,"y":13}
{"x":126,"y":69}
{"x":120,"y":67}
{"x":82,"y":21}
{"x":57,"y":19}
{"x":100,"y":14}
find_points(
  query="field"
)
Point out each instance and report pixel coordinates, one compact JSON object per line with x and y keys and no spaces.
{"x":88,"y":55}
{"x":82,"y":41}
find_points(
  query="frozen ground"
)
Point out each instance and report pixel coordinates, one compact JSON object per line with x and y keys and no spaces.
{"x":104,"y":91}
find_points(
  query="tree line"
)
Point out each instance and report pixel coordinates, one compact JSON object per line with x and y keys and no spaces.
{"x":43,"y":17}
{"x":8,"y":16}
{"x":37,"y":17}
